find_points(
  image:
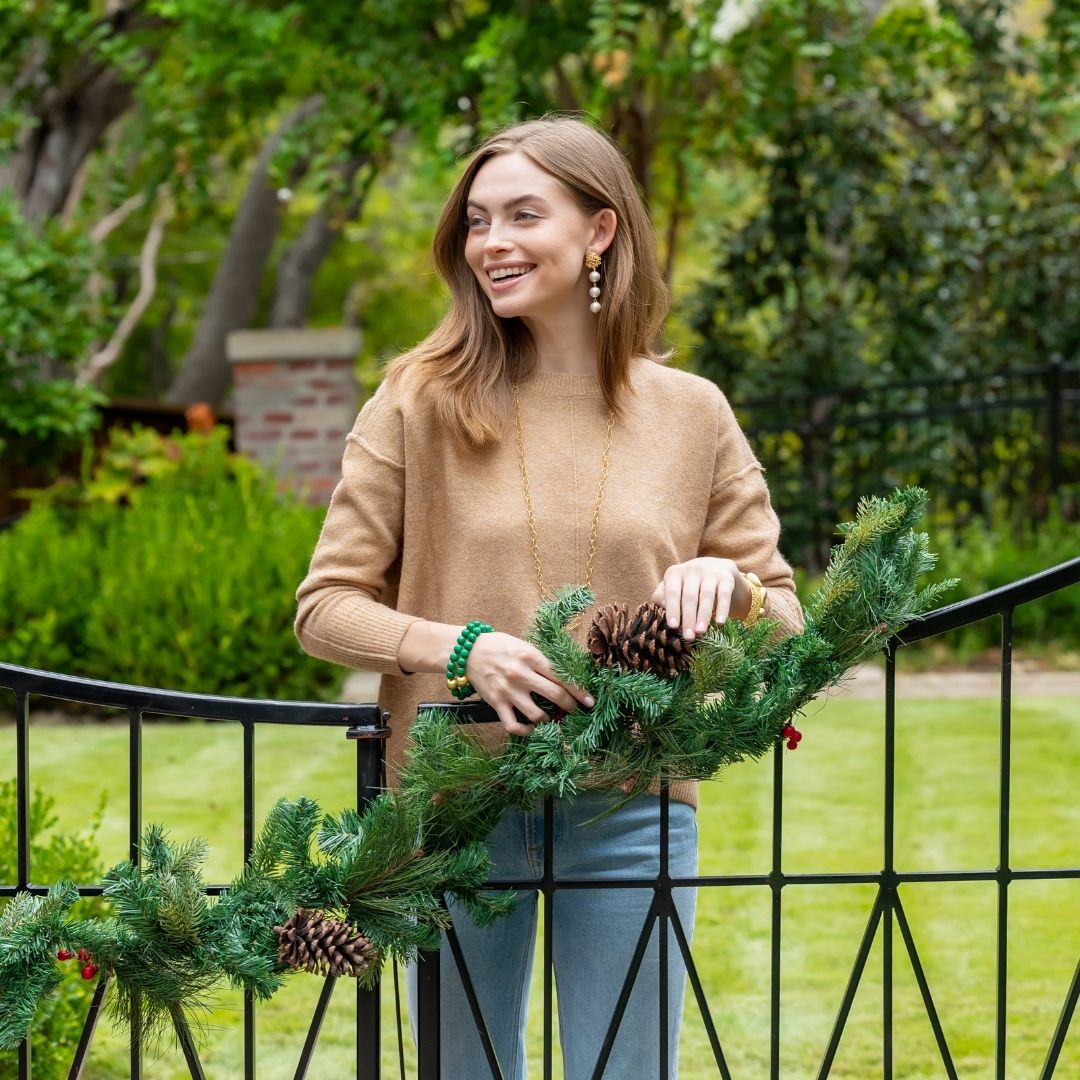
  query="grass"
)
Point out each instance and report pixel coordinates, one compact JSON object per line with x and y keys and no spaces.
{"x":947,"y":806}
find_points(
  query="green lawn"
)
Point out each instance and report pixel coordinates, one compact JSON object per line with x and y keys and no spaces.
{"x":947,"y":754}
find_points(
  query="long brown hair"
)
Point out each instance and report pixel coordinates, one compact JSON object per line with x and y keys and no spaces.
{"x":472,"y":356}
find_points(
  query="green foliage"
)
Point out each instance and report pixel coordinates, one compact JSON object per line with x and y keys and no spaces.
{"x":914,"y":195}
{"x":49,"y":323}
{"x":167,"y":946}
{"x":53,"y":854}
{"x":158,"y":941}
{"x":189,"y":586}
{"x":29,"y":927}
{"x":995,"y":556}
{"x":915,"y":216}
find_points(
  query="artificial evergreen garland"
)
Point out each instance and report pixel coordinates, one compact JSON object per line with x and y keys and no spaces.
{"x":341,"y":894}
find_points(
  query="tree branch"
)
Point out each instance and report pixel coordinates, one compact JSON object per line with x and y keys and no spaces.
{"x":106,"y":357}
{"x":113,"y":220}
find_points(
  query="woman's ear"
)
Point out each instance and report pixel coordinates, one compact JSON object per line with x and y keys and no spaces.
{"x":604,"y":223}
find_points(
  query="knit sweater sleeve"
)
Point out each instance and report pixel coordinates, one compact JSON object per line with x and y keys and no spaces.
{"x":741,"y":523}
{"x":345,"y":609}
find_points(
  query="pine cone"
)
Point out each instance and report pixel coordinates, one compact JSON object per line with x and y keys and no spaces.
{"x":639,"y":642}
{"x":311,"y":941}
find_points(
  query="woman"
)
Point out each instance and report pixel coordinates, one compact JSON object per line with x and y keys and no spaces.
{"x":535,"y":439}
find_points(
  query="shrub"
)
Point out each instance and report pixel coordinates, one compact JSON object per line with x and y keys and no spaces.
{"x":53,"y":855}
{"x":175,"y":569}
{"x":46,"y":312}
{"x":986,"y":558}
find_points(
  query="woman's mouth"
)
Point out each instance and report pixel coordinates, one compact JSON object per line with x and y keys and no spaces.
{"x":502,"y":284}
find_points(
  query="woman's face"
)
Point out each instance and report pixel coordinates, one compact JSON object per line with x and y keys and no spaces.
{"x":527,"y":238}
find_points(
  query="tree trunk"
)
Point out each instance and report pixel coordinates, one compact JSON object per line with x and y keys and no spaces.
{"x":230,"y":305}
{"x":73,"y":110}
{"x":298,"y":266}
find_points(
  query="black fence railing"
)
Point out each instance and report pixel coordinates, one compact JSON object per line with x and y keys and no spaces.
{"x":886,"y":908}
{"x":363,"y":724}
{"x":367,"y":726}
{"x":985,"y":443}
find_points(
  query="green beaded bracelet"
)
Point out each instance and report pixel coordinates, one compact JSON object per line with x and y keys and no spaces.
{"x":456,"y":682}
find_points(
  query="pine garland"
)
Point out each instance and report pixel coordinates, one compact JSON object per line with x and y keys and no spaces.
{"x":374,"y":881}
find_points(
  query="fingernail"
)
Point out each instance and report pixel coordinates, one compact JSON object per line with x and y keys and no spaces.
{"x":701,"y":628}
{"x":688,"y":633}
{"x":589,"y":702}
{"x":673,"y":622}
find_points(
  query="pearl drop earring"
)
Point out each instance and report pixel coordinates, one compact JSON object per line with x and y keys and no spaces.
{"x":592,"y":261}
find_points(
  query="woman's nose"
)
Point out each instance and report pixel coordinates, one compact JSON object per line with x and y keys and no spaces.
{"x":497,"y":240}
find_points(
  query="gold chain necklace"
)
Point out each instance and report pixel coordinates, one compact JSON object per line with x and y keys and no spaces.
{"x":605,"y":464}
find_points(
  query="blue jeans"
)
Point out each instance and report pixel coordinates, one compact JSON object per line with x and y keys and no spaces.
{"x":594,"y":933}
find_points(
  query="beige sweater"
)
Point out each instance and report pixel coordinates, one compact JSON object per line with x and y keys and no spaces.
{"x":419,"y":528}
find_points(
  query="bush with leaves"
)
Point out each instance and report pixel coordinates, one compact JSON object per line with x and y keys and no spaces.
{"x":49,"y":323}
{"x":173,"y":567}
{"x":994,"y":557}
{"x":915,"y":215}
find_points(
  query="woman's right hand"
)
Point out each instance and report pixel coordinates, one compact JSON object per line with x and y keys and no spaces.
{"x":504,"y":671}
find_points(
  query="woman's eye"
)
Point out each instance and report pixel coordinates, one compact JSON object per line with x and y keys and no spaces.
{"x":527,"y":213}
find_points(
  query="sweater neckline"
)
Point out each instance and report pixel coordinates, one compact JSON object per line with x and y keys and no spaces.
{"x":561,"y":384}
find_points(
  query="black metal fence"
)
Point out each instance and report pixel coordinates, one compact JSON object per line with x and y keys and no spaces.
{"x":986,"y":443}
{"x":365,"y":724}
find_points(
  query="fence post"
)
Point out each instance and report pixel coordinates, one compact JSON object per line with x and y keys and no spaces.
{"x":428,"y":1053}
{"x":370,"y":779}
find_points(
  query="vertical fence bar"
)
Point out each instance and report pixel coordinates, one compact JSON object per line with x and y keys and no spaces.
{"x":663,"y":886}
{"x":428,"y":1050}
{"x":775,"y":885}
{"x":1004,"y":873}
{"x":547,"y":886}
{"x":22,"y":785}
{"x":22,"y":825}
{"x":135,"y":1061}
{"x":135,"y":747}
{"x":888,"y":867}
{"x":249,"y":840}
{"x":24,"y":1059}
{"x":134,"y":783}
{"x":370,"y":771}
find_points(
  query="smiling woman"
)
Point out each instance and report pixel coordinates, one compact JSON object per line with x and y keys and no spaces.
{"x":533,"y":439}
{"x":534,"y":237}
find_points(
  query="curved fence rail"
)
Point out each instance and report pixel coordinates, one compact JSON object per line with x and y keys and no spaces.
{"x":367,"y":725}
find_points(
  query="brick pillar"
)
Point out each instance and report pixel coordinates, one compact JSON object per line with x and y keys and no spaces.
{"x":295,"y":400}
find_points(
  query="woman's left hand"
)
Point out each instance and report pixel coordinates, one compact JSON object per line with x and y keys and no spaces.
{"x":696,"y":592}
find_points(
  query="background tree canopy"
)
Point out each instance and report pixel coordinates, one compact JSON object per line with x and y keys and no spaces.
{"x":846,"y":192}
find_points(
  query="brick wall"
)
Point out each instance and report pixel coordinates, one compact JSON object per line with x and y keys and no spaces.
{"x":294,"y":401}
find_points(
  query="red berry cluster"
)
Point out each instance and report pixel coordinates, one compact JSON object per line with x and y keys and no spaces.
{"x":793,"y":736}
{"x":90,"y":969}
